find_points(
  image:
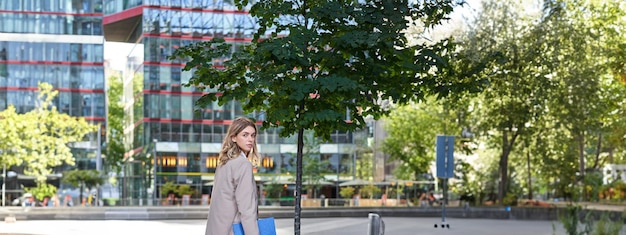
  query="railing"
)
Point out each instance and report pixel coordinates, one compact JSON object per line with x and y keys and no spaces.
{"x":156,"y":202}
{"x":263,"y":202}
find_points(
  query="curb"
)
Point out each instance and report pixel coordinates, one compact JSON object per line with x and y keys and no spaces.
{"x":201,"y":212}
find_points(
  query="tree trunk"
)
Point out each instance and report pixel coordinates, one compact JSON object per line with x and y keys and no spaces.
{"x":581,"y":156}
{"x":298,"y":182}
{"x":80,"y":197}
{"x":530,"y":175}
{"x":507,"y":146}
{"x":504,"y":165}
{"x":596,"y":161}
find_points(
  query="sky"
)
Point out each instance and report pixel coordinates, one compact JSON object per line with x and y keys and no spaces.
{"x":117,"y":53}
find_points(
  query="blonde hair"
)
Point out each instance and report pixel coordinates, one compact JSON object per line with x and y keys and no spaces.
{"x":230,"y":149}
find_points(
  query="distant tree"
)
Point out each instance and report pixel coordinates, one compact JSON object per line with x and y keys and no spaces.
{"x":411,"y":133}
{"x":42,"y":190}
{"x":365,"y":166}
{"x":588,"y":63}
{"x":273,"y":189}
{"x":115,"y":145}
{"x":364,"y":155}
{"x":119,"y":144}
{"x":516,"y":89}
{"x":313,"y":169}
{"x":83,"y":179}
{"x":554,"y":98}
{"x":38,"y":140}
{"x":13,"y":128}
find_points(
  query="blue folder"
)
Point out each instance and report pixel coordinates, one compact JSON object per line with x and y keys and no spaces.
{"x":266,"y":227}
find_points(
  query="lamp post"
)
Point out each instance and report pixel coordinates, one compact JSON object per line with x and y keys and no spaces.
{"x":4,"y":182}
{"x":154,"y":172}
{"x":338,"y":164}
{"x":99,"y":162}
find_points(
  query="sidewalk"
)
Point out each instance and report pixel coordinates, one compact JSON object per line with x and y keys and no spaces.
{"x":309,"y":226}
{"x":201,"y":212}
{"x":594,"y":206}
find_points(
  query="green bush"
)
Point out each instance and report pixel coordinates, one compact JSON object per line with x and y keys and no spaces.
{"x":510,"y":200}
{"x":273,"y":190}
{"x":346,"y":192}
{"x":573,"y":225}
{"x":42,"y":191}
{"x":110,"y":201}
{"x":369,"y":191}
{"x":178,"y":190}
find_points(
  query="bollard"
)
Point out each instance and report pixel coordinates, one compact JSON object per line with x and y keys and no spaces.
{"x":10,"y":219}
{"x":376,"y":226}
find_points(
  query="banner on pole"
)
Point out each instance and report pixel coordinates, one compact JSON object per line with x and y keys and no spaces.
{"x":445,"y":156}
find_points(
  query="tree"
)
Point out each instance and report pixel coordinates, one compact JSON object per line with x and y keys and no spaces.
{"x":553,"y":88}
{"x":115,"y":149}
{"x":313,"y":169}
{"x":324,"y":65}
{"x":119,"y":144}
{"x":38,"y":139}
{"x":515,"y":94}
{"x":586,"y":63}
{"x":83,"y":179}
{"x":14,"y":127}
{"x":365,"y":166}
{"x":466,"y":185}
{"x":273,"y":189}
{"x":42,"y":190}
{"x":412,"y":130}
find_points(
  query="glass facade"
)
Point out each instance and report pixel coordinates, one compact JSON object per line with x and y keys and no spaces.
{"x":188,"y":138}
{"x":52,"y":6}
{"x":83,"y":17}
{"x":115,"y":6}
{"x":59,"y":42}
{"x":170,"y":116}
{"x":72,"y":64}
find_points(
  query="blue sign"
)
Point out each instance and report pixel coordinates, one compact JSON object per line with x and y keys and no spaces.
{"x":445,"y":156}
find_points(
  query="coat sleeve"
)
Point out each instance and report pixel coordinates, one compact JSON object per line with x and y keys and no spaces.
{"x":246,"y":198}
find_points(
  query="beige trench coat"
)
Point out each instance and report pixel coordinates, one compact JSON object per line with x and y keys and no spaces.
{"x":233,"y":199}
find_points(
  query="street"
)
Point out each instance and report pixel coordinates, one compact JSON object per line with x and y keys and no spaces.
{"x":309,"y":226}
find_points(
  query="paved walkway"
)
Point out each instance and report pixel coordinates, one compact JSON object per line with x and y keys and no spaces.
{"x":310,"y":226}
{"x":595,"y":206}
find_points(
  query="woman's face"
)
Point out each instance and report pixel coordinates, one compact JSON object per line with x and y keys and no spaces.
{"x":246,"y":139}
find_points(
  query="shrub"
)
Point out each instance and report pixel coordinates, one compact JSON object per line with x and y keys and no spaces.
{"x":346,"y":192}
{"x":369,"y":191}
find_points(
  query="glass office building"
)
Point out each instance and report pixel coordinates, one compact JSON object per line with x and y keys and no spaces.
{"x":59,"y":42}
{"x":186,"y":138}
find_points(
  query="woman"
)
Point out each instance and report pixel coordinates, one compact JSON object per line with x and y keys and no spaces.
{"x":234,"y":196}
